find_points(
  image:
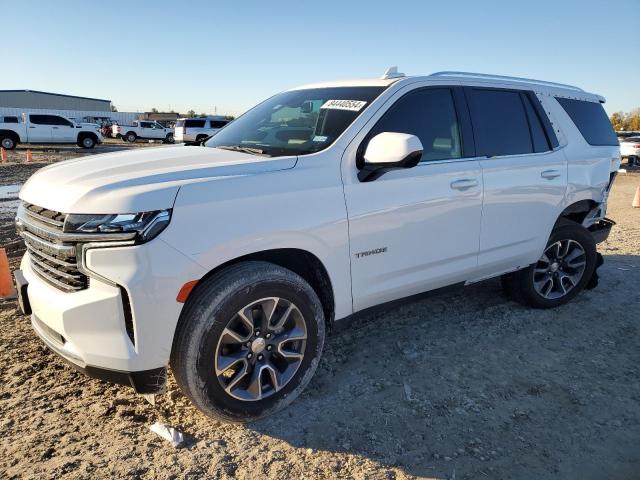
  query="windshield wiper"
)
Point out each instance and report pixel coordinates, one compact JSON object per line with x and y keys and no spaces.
{"x":240,"y":148}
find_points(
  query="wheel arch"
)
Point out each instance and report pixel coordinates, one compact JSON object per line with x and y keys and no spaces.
{"x":299,"y":261}
{"x":12,"y":134}
{"x":577,"y":211}
{"x":82,"y":135}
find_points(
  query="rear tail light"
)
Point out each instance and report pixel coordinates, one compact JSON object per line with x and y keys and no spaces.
{"x":637,"y":145}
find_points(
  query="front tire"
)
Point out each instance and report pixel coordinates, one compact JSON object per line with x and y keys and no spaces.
{"x":565,"y":267}
{"x":87,"y":142}
{"x":169,"y":138}
{"x":248,"y":341}
{"x":131,"y":137}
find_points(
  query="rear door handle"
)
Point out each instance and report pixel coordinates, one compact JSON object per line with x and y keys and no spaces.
{"x":55,"y":128}
{"x":550,"y":174}
{"x":464,"y":183}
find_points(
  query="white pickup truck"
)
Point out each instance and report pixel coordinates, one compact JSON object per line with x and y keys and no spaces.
{"x":38,"y":128}
{"x":146,"y":130}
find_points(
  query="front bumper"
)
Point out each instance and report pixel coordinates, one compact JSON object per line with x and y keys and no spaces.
{"x":121,"y":327}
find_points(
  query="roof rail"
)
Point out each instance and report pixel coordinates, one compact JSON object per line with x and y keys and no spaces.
{"x":505,"y":78}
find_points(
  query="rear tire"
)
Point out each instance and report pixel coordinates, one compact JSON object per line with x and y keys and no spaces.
{"x":228,"y":353}
{"x":7,"y":142}
{"x":563,"y":270}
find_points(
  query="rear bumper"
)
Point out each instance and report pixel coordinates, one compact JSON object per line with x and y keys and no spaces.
{"x":601,"y":229}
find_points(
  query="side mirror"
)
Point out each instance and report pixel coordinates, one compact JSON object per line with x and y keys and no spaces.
{"x":307,"y":107}
{"x":387,"y":151}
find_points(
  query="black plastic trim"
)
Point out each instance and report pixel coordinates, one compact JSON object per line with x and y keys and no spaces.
{"x":23,"y":296}
{"x":601,"y":229}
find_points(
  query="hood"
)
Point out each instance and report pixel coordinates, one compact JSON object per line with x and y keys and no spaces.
{"x":137,"y":180}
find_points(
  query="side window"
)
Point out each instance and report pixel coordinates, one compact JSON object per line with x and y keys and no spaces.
{"x":540,"y":143}
{"x":56,"y":120}
{"x":10,"y":119}
{"x":217,"y":123}
{"x":39,"y":119}
{"x":499,"y":121}
{"x":430,"y":115}
{"x":145,"y":124}
{"x":591,"y":120}
{"x":194,"y":123}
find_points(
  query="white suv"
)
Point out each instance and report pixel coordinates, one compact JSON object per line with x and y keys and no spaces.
{"x":229,"y":261}
{"x":198,"y":129}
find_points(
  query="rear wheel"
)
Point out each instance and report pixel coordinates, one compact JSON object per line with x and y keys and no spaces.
{"x":131,"y":137}
{"x":201,"y":138}
{"x":563,"y":270}
{"x":249,"y":340}
{"x":8,"y":143}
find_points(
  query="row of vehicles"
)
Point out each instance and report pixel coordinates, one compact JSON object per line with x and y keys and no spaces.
{"x":186,"y":130}
{"x":39,"y":128}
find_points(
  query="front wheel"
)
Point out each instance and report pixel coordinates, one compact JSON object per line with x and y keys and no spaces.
{"x":131,"y":137}
{"x":248,"y":342}
{"x":87,"y":142}
{"x":169,"y":138}
{"x":565,"y":267}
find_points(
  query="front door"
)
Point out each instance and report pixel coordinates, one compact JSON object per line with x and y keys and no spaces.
{"x":62,"y":130}
{"x":416,"y":229}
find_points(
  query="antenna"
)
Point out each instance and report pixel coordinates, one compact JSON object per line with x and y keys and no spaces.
{"x":392,"y":72}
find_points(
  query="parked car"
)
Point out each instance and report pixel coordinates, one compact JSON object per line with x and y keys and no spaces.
{"x":229,"y":261}
{"x":144,"y":130}
{"x":197,"y":129}
{"x":630,"y":149}
{"x":626,"y":134}
{"x":38,"y":128}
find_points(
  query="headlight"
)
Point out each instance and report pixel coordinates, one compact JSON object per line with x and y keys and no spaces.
{"x":145,"y":225}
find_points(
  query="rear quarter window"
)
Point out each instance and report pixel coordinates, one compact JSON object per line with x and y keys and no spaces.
{"x":194,"y":123}
{"x":591,"y":120}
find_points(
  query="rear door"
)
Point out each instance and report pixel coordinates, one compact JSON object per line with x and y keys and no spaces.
{"x":416,"y":229}
{"x":39,"y":130}
{"x":524,"y":176}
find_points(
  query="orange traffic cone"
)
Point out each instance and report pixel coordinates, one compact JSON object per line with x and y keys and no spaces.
{"x":6,"y":284}
{"x":636,"y":199}
{"x":3,"y":155}
{"x":29,"y":156}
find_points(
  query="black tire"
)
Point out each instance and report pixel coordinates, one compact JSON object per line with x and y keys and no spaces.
{"x":131,"y":137}
{"x":86,"y":141}
{"x":519,"y":286}
{"x":200,"y":138}
{"x":211,"y":308}
{"x":632,"y":161}
{"x":169,"y":138}
{"x":8,"y":142}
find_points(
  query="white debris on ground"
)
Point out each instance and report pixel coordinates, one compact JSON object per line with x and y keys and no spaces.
{"x":175,"y":437}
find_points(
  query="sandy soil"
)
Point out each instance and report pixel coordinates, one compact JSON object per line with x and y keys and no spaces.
{"x":463,"y":384}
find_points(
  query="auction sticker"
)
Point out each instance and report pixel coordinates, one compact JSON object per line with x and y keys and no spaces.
{"x":352,"y":105}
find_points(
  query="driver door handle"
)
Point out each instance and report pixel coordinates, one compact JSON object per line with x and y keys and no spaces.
{"x":550,"y":174}
{"x":464,"y":183}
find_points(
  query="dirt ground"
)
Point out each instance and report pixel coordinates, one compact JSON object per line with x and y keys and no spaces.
{"x":463,"y":384}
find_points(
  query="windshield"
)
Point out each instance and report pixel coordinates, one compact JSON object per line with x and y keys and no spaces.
{"x":296,"y":122}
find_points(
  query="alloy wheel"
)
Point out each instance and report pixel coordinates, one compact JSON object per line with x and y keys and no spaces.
{"x":261,"y":349}
{"x":560,"y":269}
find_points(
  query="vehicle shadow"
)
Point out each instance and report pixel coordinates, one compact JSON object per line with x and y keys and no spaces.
{"x":468,"y":381}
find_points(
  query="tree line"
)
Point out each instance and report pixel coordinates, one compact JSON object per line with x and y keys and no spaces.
{"x":627,"y":121}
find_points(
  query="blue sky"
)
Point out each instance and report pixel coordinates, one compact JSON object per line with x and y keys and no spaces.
{"x":230,"y":55}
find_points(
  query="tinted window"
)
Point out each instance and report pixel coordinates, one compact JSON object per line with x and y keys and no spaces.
{"x":540,"y":143}
{"x":629,"y":139}
{"x":591,"y":120}
{"x":146,"y":124}
{"x":56,"y":120}
{"x":180,"y":123}
{"x":11,"y":119}
{"x":194,"y":123}
{"x":218,"y":123}
{"x":39,"y":119}
{"x":500,"y":124}
{"x":430,"y":115}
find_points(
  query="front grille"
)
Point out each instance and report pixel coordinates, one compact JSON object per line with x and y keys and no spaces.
{"x":52,"y":259}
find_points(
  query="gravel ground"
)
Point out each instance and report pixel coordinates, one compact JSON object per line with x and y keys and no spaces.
{"x":462,"y":384}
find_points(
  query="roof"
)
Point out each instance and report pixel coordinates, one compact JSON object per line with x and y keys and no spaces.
{"x":466,"y":78}
{"x":55,"y":94}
